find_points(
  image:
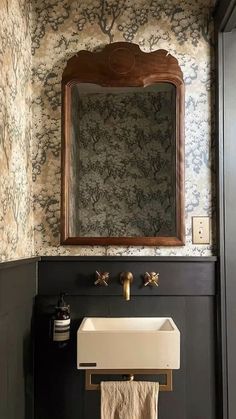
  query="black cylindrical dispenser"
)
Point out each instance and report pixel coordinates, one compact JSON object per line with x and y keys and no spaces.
{"x":61,"y":322}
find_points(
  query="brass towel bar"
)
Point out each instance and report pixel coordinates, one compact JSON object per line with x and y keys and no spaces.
{"x":89,"y":385}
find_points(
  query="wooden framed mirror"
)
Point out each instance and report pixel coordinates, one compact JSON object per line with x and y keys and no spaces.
{"x":123,"y":148}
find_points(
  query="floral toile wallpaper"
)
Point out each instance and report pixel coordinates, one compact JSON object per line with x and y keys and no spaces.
{"x":60,"y":29}
{"x":16,"y":221}
{"x":123,"y":162}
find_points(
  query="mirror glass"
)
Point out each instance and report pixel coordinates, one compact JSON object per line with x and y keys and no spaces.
{"x":122,"y":174}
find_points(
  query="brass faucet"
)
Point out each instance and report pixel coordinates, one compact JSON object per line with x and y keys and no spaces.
{"x":126,"y":278}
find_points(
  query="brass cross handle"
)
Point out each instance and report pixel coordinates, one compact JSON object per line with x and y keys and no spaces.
{"x":102,"y":278}
{"x":151,"y":278}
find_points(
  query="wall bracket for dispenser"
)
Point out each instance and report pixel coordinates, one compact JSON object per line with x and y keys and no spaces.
{"x":89,"y":385}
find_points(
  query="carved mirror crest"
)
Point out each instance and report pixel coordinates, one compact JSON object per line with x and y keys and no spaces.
{"x":123,"y":148}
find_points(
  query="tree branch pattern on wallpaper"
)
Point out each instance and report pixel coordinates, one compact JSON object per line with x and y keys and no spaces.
{"x":63,"y":27}
{"x":124,"y":163}
{"x":127,"y":17}
{"x":16,"y":222}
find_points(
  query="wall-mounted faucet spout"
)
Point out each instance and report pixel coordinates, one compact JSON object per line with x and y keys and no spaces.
{"x":126,"y":278}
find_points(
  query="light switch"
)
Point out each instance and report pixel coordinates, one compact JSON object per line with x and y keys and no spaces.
{"x":201,"y":230}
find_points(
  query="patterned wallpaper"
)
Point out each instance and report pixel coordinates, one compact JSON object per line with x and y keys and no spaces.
{"x":60,"y":29}
{"x":16,"y":222}
{"x":123,"y":160}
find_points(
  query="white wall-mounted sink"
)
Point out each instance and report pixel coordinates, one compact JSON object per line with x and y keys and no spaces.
{"x":125,"y":343}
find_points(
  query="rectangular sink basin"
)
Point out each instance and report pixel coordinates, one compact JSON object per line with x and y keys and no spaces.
{"x":128,"y":342}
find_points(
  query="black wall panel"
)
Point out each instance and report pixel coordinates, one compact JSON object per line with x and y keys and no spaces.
{"x":187,"y":295}
{"x":17,"y":292}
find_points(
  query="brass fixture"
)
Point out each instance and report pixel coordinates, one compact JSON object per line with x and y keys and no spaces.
{"x":128,"y":377}
{"x":102,"y":278}
{"x":126,"y":278}
{"x":167,"y":386}
{"x":151,"y":278}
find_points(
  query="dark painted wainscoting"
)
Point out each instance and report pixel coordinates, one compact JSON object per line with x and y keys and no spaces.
{"x":186,"y":293}
{"x":18,"y":285}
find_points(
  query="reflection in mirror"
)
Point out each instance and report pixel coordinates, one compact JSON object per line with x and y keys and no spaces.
{"x":123,"y":161}
{"x":122,"y":148}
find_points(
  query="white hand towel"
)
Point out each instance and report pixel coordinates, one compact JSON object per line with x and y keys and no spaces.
{"x":129,"y":400}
